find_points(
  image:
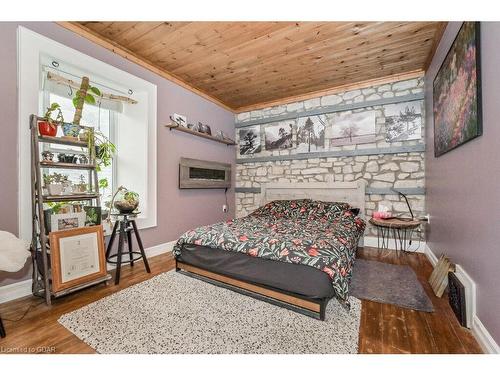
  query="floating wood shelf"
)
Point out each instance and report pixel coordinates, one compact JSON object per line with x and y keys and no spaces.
{"x":54,"y":164}
{"x":228,"y":142}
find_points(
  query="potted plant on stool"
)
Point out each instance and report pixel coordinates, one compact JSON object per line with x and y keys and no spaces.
{"x":125,"y":201}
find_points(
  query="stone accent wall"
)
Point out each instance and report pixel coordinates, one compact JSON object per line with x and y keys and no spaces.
{"x":380,"y":171}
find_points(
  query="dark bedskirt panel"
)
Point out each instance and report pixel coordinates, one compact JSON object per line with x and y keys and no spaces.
{"x":295,"y":278}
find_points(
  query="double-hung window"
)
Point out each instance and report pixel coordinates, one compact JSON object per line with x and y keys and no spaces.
{"x":104,"y":119}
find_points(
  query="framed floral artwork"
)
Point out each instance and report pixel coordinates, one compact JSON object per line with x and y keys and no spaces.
{"x":457,"y":92}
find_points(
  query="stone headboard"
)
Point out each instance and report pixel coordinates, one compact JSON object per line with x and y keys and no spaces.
{"x":349,"y":192}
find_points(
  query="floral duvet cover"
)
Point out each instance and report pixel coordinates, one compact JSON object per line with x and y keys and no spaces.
{"x":313,"y":233}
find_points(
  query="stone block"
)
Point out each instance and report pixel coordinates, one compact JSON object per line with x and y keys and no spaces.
{"x":391,"y":166}
{"x":389,"y":177}
{"x":405,"y":85}
{"x":330,"y":100}
{"x":409,"y":166}
{"x":371,"y":166}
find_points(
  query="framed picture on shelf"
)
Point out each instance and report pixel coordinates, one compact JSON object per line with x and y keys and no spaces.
{"x":67,"y":221}
{"x":93,"y":215}
{"x":77,"y":256}
{"x":180,"y":120}
{"x":457,"y":92}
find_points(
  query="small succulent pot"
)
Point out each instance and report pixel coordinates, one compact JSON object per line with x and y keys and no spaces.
{"x":47,"y":128}
{"x":83,"y":135}
{"x":67,"y":158}
{"x":55,"y":189}
{"x":47,"y":156}
{"x":83,"y":159}
{"x":80,"y":188}
{"x":70,"y":130}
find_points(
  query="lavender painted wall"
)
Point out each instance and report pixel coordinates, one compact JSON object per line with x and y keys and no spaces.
{"x":177,"y":210}
{"x":463,"y":186}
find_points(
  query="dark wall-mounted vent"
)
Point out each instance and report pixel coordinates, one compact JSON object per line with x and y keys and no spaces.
{"x":456,"y":298}
{"x":202,"y":174}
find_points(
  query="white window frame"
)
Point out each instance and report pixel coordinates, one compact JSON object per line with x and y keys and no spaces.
{"x":138,"y":144}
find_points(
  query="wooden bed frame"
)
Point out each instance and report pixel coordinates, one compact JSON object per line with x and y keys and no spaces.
{"x":350,"y":192}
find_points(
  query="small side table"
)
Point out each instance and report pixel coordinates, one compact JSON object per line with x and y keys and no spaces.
{"x":401,"y":231}
{"x":125,"y":225}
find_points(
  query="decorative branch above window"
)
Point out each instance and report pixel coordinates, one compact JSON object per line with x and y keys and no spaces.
{"x":54,"y":78}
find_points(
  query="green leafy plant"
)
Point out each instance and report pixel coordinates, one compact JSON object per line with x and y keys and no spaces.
{"x":54,"y":178}
{"x":131,"y":196}
{"x":54,"y":107}
{"x":101,"y":149}
{"x":86,"y":94}
{"x":56,"y":207}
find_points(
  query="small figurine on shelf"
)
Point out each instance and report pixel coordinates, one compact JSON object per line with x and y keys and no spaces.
{"x":83,"y":159}
{"x":204,"y":128}
{"x":47,"y":156}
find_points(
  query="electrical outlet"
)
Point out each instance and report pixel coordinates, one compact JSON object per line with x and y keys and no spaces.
{"x":428,"y":217}
{"x":224,"y":208}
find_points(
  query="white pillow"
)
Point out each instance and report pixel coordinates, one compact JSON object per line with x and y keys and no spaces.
{"x":13,"y":252}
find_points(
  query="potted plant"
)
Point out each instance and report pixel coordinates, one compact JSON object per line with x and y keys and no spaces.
{"x":54,"y":183}
{"x":125,"y":201}
{"x":80,"y":187}
{"x":48,"y":126}
{"x":100,"y":147}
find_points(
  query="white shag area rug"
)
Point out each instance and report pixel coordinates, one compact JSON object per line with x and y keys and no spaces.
{"x":173,"y":313}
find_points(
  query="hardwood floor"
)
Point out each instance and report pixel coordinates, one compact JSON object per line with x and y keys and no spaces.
{"x":384,"y":328}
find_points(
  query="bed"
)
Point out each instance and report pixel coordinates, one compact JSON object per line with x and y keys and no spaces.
{"x":295,"y":251}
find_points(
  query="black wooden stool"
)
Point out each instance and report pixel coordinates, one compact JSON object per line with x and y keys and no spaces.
{"x":125,"y":224}
{"x":2,"y":329}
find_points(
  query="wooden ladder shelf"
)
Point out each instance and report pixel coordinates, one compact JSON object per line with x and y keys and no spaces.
{"x":40,"y":246}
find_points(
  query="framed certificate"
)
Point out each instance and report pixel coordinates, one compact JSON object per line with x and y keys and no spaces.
{"x":77,"y":256}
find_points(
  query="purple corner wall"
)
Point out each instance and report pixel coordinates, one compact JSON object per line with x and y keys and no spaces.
{"x":177,"y":210}
{"x":463,"y":185}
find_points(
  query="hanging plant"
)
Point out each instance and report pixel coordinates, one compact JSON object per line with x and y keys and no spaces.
{"x":101,"y":149}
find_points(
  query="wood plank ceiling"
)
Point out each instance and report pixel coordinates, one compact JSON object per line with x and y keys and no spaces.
{"x":253,"y":64}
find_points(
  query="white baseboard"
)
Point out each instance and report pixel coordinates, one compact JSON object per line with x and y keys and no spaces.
{"x":430,"y":255}
{"x":420,"y":246}
{"x":14,"y":291}
{"x":483,"y":337}
{"x":23,"y":288}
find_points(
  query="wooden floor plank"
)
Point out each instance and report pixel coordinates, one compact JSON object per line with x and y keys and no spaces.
{"x":383,"y":328}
